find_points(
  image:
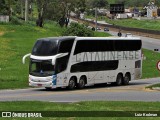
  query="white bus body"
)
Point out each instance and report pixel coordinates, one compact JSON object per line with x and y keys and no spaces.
{"x":78,"y":61}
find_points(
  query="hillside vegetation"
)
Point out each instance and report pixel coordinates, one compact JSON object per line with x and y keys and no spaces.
{"x":15,"y":42}
{"x":18,"y":40}
{"x":132,"y":23}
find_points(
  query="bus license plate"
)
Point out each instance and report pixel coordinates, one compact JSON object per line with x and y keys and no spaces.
{"x":39,"y":85}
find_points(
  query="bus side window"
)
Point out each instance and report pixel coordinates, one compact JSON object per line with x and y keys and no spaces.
{"x":65,"y":46}
{"x":61,"y":63}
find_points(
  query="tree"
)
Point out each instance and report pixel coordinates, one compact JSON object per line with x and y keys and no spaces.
{"x":7,"y":7}
{"x":42,"y":8}
{"x":99,"y":3}
{"x":57,"y":10}
{"x":133,"y":3}
{"x":157,"y":2}
{"x":3,"y":7}
{"x":19,"y":8}
{"x":80,"y":7}
{"x":76,"y":29}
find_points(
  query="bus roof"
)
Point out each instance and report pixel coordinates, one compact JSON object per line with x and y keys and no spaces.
{"x":108,"y":38}
{"x":64,"y":38}
{"x":58,"y":38}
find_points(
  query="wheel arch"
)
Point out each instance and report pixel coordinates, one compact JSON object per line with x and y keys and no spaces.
{"x":73,"y":77}
{"x":120,"y":73}
{"x":119,"y":79}
{"x":85,"y":77}
{"x":129,"y":74}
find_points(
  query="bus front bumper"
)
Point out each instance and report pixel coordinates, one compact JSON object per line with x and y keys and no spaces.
{"x":41,"y":82}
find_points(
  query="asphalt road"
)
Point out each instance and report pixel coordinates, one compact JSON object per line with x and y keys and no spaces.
{"x":147,"y":43}
{"x":134,"y":92}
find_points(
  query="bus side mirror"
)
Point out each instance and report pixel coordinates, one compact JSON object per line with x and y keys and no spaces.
{"x":58,"y":56}
{"x":24,"y":58}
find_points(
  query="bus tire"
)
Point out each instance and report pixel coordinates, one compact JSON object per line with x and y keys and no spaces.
{"x":72,"y":83}
{"x":119,"y":79}
{"x":126,"y":79}
{"x":82,"y":83}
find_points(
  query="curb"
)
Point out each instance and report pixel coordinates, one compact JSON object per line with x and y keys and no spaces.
{"x":156,"y":88}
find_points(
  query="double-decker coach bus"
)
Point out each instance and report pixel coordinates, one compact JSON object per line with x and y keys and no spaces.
{"x":75,"y":62}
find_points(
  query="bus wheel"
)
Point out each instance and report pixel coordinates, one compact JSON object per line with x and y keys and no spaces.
{"x":72,"y":84}
{"x":126,"y":79}
{"x":81,"y":83}
{"x":119,"y":80}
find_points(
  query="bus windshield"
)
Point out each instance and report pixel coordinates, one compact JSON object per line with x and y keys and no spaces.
{"x":45,"y":48}
{"x":41,"y":68}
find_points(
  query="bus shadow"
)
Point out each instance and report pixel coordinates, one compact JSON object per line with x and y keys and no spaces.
{"x":97,"y":86}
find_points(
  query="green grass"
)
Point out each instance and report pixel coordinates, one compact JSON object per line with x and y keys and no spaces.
{"x":18,"y":40}
{"x":83,"y":106}
{"x":15,"y":42}
{"x":132,"y":23}
{"x":111,"y":1}
{"x":80,"y":106}
{"x":152,"y":86}
{"x":144,"y":24}
{"x":101,"y":34}
{"x":149,"y":68}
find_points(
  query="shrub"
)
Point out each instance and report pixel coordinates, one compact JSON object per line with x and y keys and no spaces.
{"x":76,"y":29}
{"x":16,"y":21}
